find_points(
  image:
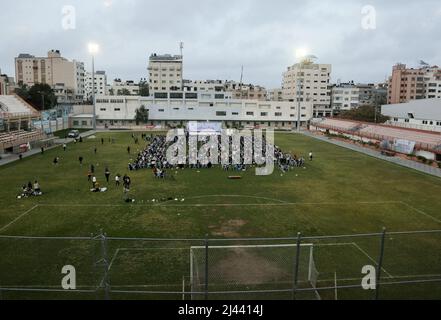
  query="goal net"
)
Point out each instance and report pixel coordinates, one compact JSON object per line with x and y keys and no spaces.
{"x":253,"y":272}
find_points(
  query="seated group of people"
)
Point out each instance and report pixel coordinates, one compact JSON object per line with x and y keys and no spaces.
{"x":29,"y":190}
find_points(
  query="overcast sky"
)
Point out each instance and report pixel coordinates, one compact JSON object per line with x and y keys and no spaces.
{"x":220,"y":36}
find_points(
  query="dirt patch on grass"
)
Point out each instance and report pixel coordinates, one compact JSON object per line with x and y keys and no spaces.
{"x":241,"y":266}
{"x":229,"y":229}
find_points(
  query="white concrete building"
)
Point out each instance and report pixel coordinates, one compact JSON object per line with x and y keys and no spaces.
{"x":314,"y":80}
{"x":275,"y":94}
{"x":64,"y":76}
{"x":7,"y":84}
{"x":119,"y":86}
{"x":165,"y":73}
{"x":417,"y":114}
{"x":432,"y":83}
{"x":119,"y":112}
{"x":100,"y":84}
{"x":345,"y":96}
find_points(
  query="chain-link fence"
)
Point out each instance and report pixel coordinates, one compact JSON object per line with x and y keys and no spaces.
{"x":385,"y":265}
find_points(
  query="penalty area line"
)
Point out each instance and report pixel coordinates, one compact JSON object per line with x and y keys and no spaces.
{"x":18,"y":218}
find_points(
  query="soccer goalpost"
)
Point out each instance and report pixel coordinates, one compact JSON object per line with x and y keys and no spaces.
{"x":234,"y":270}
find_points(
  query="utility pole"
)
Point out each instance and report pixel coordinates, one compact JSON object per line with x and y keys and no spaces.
{"x":181,"y":47}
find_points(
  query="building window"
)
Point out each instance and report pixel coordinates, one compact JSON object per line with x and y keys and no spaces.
{"x":264,"y":114}
{"x":250,"y":113}
{"x":221,"y":113}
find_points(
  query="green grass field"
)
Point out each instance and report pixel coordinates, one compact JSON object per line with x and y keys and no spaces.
{"x":340,"y":193}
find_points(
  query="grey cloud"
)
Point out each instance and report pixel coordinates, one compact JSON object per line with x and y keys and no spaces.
{"x":221,"y":36}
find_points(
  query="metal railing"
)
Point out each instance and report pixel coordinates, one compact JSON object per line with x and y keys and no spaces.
{"x":383,"y":265}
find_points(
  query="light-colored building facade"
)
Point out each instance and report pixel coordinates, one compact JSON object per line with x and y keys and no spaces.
{"x":345,"y":96}
{"x":349,"y":96}
{"x":432,"y":83}
{"x":7,"y":84}
{"x":424,"y":114}
{"x":173,"y":112}
{"x":165,"y":73}
{"x":120,"y":87}
{"x":275,"y":95}
{"x":100,"y":84}
{"x":64,"y":76}
{"x":406,"y":84}
{"x":246,"y":91}
{"x":314,"y":80}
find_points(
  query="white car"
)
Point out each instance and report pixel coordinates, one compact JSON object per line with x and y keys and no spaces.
{"x":74,"y":134}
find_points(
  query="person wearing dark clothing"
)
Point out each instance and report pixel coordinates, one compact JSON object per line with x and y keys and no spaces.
{"x":128,"y":150}
{"x":107,"y":174}
{"x":80,"y":159}
{"x":20,"y":156}
{"x":95,"y":150}
{"x":92,"y":168}
{"x":102,"y":141}
{"x":42,"y":150}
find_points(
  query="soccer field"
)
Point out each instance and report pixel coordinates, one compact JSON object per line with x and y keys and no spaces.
{"x":341,"y":192}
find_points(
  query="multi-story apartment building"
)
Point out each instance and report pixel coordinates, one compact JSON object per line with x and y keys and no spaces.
{"x":275,"y":95}
{"x":432,"y":83}
{"x":100,"y":84}
{"x":246,"y":91}
{"x":165,"y":73}
{"x":348,"y":96}
{"x":309,"y":81}
{"x":345,"y":96}
{"x":121,"y":88}
{"x":64,"y":76}
{"x":407,"y":84}
{"x":7,"y":85}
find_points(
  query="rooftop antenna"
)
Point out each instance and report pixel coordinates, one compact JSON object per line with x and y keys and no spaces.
{"x":241,"y":77}
{"x":181,"y":47}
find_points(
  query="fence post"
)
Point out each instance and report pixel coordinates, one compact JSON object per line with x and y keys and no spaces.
{"x":380,"y":265}
{"x":296,"y":265}
{"x":104,"y":262}
{"x":206,"y":267}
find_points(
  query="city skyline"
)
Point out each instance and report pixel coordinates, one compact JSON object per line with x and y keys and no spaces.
{"x":259,"y":36}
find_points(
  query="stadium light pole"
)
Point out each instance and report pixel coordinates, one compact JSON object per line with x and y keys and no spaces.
{"x":93,"y":50}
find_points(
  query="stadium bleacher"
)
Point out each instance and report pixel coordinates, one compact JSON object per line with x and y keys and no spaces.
{"x":11,"y":105}
{"x":423,"y":139}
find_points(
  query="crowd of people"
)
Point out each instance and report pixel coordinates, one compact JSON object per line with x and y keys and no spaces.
{"x":155,"y":157}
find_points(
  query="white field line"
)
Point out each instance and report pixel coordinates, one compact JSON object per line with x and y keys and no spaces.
{"x":372,"y":259}
{"x":420,"y":276}
{"x":224,"y":204}
{"x":421,"y":212}
{"x":18,"y":218}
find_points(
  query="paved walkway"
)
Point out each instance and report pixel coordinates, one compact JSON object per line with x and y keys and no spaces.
{"x":9,"y":158}
{"x":376,"y":154}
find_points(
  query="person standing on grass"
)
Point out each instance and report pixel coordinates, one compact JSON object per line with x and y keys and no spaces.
{"x":102,"y":141}
{"x":107,"y":174}
{"x":95,"y":150}
{"x":64,"y":147}
{"x":80,"y":159}
{"x":117,"y":180}
{"x":311,"y":156}
{"x":92,"y":168}
{"x":94,"y":181}
{"x":42,"y":150}
{"x":128,"y":149}
{"x":56,"y":160}
{"x":89,"y":176}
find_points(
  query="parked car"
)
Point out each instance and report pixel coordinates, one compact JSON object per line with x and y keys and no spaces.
{"x":74,"y":134}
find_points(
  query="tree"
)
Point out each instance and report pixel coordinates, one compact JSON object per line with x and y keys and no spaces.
{"x":37,"y":94}
{"x":365,"y":114}
{"x":123,"y":92}
{"x":142,"y":115}
{"x":144,"y":89}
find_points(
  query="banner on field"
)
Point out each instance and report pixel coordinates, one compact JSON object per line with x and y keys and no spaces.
{"x":204,"y":128}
